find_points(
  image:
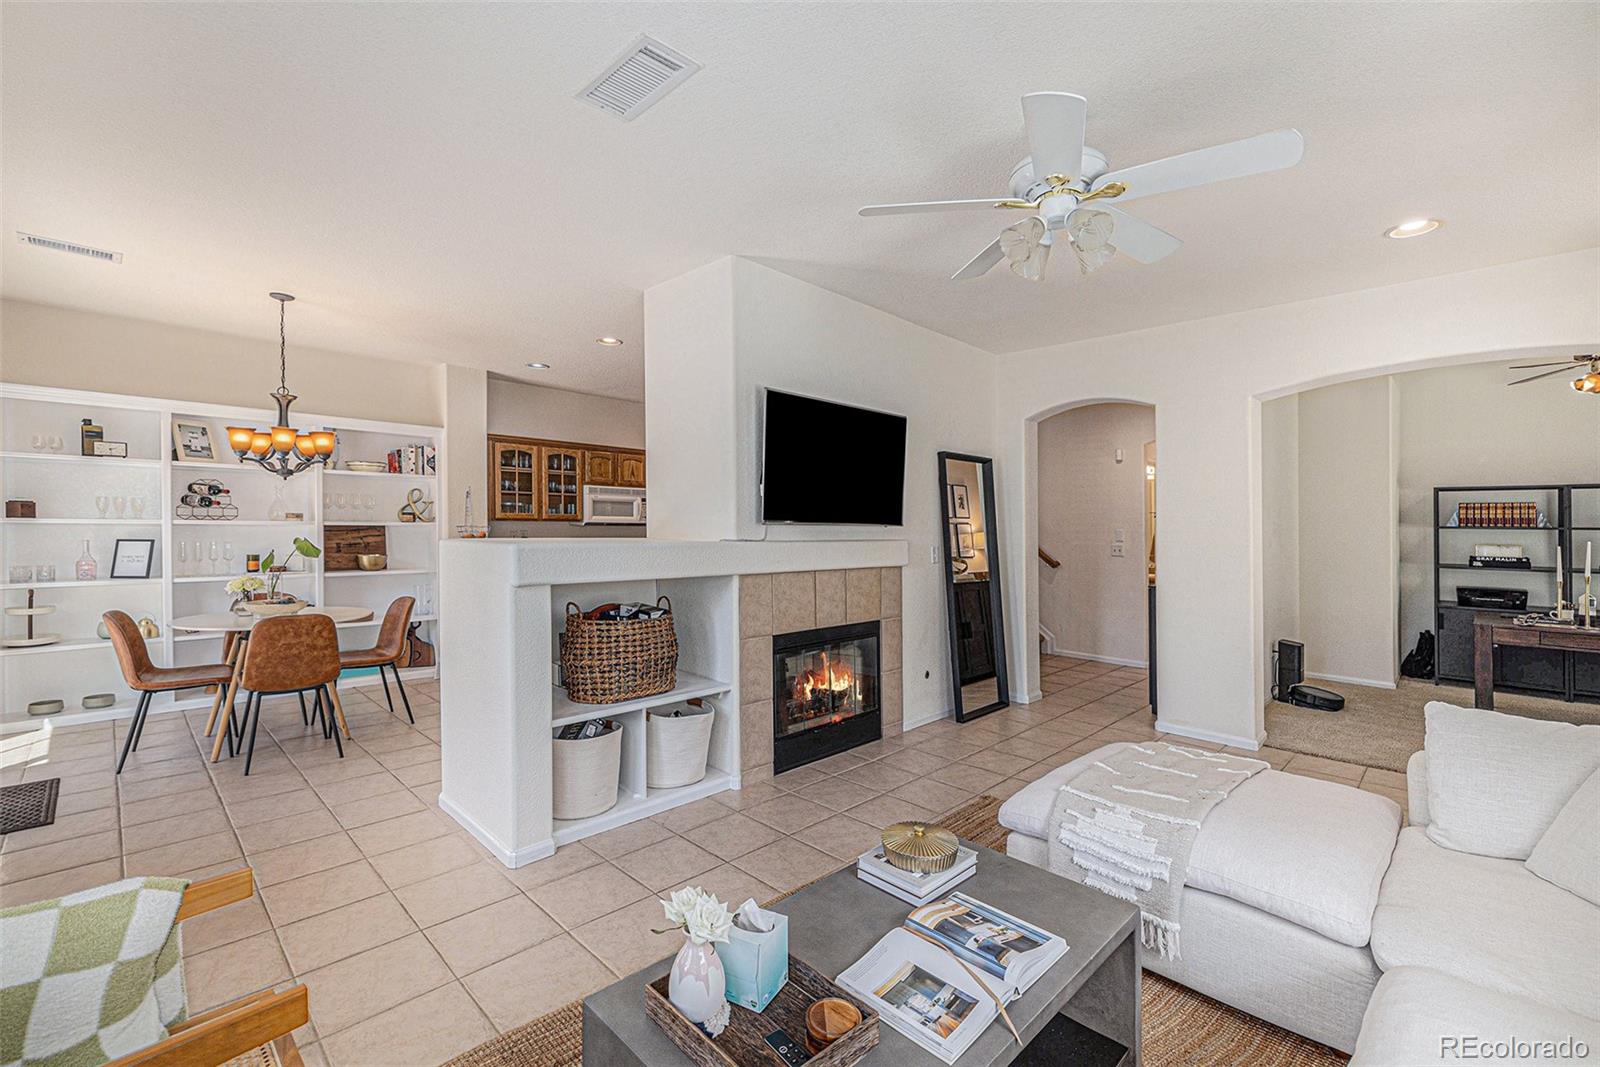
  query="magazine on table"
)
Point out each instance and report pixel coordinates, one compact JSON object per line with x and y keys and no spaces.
{"x":927,"y":991}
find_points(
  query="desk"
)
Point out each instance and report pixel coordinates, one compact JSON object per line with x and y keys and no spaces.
{"x":226,"y":622}
{"x":1489,"y":630}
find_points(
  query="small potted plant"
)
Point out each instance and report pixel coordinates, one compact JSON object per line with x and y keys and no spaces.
{"x":273,"y":602}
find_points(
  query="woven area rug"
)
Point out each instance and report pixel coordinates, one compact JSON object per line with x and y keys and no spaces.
{"x":1181,"y":1027}
{"x":1383,"y":727}
{"x":28,"y":805}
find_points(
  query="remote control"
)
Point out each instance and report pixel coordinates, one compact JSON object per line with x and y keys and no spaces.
{"x":792,"y":1051}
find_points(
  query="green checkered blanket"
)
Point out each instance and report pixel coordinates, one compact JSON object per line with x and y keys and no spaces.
{"x":90,"y":976}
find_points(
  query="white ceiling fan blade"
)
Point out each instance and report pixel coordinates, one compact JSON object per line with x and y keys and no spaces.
{"x":1236,"y":159}
{"x":1136,"y":237}
{"x":932,"y":205}
{"x":1055,"y":132}
{"x":981,"y":263}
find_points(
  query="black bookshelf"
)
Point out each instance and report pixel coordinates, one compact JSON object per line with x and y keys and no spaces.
{"x":1568,"y":511}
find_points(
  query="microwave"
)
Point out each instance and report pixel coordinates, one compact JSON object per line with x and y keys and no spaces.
{"x":612,"y":505}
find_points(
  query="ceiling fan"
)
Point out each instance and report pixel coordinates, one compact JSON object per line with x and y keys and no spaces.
{"x":1068,"y":188}
{"x":1583,"y":383}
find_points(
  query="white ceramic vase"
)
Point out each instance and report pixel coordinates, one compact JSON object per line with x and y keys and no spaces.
{"x":697,"y":987}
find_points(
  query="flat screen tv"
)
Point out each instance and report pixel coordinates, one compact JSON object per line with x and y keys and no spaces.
{"x":831,"y":464}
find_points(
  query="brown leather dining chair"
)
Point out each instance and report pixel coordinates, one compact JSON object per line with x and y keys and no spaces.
{"x":387,"y":652}
{"x":146,"y":679}
{"x":290,"y":654}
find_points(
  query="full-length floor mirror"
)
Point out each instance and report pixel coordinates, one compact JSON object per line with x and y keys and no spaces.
{"x":972,"y":585}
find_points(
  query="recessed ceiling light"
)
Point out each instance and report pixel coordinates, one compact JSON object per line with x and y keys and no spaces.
{"x":537,"y":366}
{"x":1413,"y":228}
{"x":609,"y":342}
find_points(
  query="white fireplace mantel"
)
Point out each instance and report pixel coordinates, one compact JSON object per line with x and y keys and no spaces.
{"x":502,"y":599}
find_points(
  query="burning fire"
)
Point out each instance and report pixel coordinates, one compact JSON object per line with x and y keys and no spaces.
{"x":837,"y":679}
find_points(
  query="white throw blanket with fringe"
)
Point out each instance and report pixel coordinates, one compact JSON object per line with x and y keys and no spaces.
{"x":1126,"y":826}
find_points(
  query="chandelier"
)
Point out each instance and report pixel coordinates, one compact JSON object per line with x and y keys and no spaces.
{"x":283,"y":450}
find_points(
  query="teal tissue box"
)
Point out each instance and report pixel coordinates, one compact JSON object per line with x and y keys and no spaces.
{"x":756,"y":964}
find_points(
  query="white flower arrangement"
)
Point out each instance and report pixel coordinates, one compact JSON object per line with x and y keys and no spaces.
{"x":247,"y":584}
{"x":699,"y":914}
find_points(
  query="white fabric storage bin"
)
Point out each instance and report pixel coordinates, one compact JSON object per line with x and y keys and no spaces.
{"x":586,"y":773}
{"x":676,"y":745}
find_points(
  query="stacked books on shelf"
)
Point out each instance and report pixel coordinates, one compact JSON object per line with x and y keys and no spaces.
{"x":1505,"y":514}
{"x":1500,"y":557}
{"x":941,"y":977}
{"x":875,"y":869}
{"x":412,"y":459}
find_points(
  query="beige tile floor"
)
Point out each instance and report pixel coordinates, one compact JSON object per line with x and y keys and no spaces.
{"x":415,"y":943}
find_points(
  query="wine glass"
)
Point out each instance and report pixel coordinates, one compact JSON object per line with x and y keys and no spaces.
{"x":327,"y":501}
{"x":339,"y":503}
{"x":137,"y":505}
{"x":119,"y":504}
{"x":102,"y":502}
{"x":227,"y":555}
{"x":183,"y":558}
{"x":56,"y":442}
{"x":369,"y":504}
{"x":213,"y":552}
{"x":38,"y":442}
{"x":197,"y":555}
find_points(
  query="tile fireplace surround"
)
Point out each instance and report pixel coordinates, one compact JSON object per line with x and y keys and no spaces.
{"x":784,"y":603}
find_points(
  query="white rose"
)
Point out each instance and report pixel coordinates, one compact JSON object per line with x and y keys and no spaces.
{"x":709,"y":921}
{"x":681,"y":904}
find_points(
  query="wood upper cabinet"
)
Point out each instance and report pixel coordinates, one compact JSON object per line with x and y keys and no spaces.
{"x":513,"y":469}
{"x":599,"y":467}
{"x":561,"y":483}
{"x":532,"y":479}
{"x":630,"y":469}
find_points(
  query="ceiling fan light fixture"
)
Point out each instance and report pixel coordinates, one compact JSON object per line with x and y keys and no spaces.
{"x":1413,"y":228}
{"x":1587,"y":383}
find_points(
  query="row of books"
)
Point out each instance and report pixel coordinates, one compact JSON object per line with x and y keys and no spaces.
{"x":1507,"y":514}
{"x":413,"y":459}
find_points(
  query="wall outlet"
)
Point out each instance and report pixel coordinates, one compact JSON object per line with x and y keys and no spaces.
{"x":1119,"y":535}
{"x":933,"y":553}
{"x":1116,"y":549}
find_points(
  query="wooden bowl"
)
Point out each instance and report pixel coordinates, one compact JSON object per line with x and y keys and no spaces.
{"x":263,"y":609}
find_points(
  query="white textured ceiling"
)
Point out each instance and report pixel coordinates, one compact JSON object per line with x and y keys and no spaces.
{"x":421,"y":176}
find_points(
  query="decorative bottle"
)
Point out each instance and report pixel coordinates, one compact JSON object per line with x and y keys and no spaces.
{"x":86,"y":567}
{"x":277,"y":511}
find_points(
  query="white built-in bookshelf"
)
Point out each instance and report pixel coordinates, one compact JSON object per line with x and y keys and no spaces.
{"x":66,"y":485}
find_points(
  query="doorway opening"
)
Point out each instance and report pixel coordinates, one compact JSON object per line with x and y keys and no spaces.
{"x":1097,"y":536}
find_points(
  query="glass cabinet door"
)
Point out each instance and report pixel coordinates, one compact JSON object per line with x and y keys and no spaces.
{"x":561,"y":483}
{"x":515,"y":470}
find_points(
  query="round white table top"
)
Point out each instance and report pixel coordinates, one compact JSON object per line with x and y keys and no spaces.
{"x":225,"y":621}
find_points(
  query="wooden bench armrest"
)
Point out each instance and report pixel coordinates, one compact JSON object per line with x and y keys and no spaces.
{"x":217,"y":1036}
{"x":218,"y":892}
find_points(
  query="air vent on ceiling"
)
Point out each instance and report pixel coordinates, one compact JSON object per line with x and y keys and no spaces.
{"x":636,"y":79}
{"x":68,"y":246}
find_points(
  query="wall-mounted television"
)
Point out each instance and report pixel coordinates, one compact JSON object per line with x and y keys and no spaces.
{"x":831,"y":464}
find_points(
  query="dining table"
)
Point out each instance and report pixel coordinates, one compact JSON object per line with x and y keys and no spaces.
{"x":227,"y":622}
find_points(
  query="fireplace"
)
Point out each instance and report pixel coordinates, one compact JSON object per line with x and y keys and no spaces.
{"x":825,"y":693}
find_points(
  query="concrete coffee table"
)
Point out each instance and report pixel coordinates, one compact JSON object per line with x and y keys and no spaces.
{"x":1086,"y":1006}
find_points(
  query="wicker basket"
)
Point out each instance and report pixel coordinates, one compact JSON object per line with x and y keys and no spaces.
{"x":585,"y":773}
{"x":606,"y":661}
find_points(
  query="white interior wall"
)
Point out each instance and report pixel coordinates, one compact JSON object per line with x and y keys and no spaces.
{"x":719,"y":335}
{"x":1349,"y":595}
{"x":1095,"y":604}
{"x":1207,"y":379}
{"x":1280,"y":521}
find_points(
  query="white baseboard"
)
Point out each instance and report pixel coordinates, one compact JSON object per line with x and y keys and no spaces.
{"x":1140,"y":663}
{"x":1351,"y":681}
{"x":513,"y":858}
{"x":1049,"y":640}
{"x":1209,"y":735}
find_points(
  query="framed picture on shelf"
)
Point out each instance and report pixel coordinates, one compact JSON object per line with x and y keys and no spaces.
{"x":192,"y":441}
{"x":132,"y":557}
{"x":961,"y":546}
{"x":960,"y":505}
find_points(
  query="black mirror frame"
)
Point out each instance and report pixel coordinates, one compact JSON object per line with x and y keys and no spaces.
{"x":985,"y":465}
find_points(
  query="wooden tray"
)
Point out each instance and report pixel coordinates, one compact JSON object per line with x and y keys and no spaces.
{"x":344,"y":543}
{"x":744,"y":1044}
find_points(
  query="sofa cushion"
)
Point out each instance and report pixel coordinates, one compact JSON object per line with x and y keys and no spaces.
{"x":1308,"y":851}
{"x":1422,"y":1017}
{"x":1487,"y":921}
{"x":1496,"y":782}
{"x":1568,"y":855}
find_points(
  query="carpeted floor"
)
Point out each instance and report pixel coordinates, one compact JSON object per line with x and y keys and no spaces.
{"x":1181,"y":1027}
{"x":1383,"y":727}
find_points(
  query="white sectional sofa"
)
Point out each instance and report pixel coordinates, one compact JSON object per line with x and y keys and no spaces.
{"x":1308,"y":906}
